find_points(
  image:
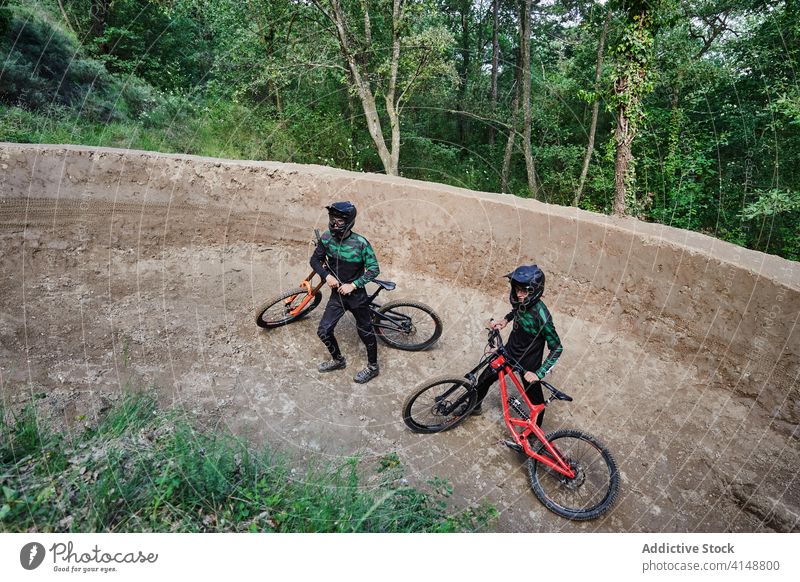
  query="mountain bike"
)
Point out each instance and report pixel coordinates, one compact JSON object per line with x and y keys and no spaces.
{"x":571,"y":472}
{"x":405,"y":325}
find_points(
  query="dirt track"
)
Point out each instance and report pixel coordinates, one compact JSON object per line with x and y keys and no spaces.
{"x":133,"y":269}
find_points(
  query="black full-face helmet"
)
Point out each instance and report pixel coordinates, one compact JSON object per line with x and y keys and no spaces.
{"x":530,"y":278}
{"x":341,"y":218}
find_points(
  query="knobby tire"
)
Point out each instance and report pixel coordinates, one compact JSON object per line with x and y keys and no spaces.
{"x":275,"y":313}
{"x":595,"y":487}
{"x":424,"y":413}
{"x":425,"y":330}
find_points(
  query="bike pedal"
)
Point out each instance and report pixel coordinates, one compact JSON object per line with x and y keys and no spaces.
{"x":513,"y":446}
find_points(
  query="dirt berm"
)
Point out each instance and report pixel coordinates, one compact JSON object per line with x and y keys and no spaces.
{"x":131,"y":269}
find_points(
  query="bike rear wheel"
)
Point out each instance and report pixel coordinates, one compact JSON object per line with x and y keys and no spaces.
{"x":409,"y":325}
{"x":439,"y":404}
{"x":277,"y":311}
{"x":594,"y":488}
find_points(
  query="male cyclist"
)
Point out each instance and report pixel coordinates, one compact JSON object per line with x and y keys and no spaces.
{"x":533,"y":326}
{"x":347,"y":262}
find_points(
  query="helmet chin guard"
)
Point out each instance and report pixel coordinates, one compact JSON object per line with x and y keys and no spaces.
{"x":530,"y":278}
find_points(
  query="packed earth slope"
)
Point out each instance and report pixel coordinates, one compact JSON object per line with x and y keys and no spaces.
{"x":123,"y":270}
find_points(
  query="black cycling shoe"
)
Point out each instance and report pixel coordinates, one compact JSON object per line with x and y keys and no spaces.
{"x":334,"y":364}
{"x":367,"y":374}
{"x":476,"y":411}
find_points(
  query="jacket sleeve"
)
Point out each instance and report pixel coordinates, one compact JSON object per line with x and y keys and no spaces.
{"x":371,"y":268}
{"x":553,"y":344}
{"x":318,"y":260}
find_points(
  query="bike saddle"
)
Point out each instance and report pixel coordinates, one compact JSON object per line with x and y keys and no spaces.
{"x":388,"y":285}
{"x":557,"y":394}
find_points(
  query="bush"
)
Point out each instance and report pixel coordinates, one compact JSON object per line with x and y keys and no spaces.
{"x":44,"y":65}
{"x":45,"y":69}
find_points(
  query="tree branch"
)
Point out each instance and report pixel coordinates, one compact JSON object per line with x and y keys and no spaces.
{"x":408,"y":88}
{"x":66,"y":18}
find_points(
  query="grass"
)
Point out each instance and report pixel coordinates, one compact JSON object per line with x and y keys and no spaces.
{"x":195,"y":134}
{"x":142,"y":469}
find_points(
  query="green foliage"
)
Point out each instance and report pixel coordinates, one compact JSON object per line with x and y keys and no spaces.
{"x":42,"y":65}
{"x":633,"y":79}
{"x":164,"y":43}
{"x":142,"y":469}
{"x":773,"y":221}
{"x":771,"y":203}
{"x":47,"y":71}
{"x":710,"y":87}
{"x":176,"y":124}
{"x":22,"y":439}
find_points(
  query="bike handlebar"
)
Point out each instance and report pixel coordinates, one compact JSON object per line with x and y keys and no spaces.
{"x":496,"y":343}
{"x":495,"y":340}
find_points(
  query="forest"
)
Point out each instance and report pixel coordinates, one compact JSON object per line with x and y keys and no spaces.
{"x":684,"y":113}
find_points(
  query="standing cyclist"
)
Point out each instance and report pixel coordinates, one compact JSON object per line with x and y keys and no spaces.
{"x":347,"y":262}
{"x":533,"y":326}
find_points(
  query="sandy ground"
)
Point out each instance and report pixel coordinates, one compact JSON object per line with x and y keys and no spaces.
{"x":98,"y":298}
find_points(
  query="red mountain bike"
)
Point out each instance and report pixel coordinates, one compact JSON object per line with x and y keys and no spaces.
{"x":570,"y":472}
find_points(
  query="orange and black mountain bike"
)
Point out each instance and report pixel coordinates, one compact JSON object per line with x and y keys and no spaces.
{"x":406,"y":325}
{"x":571,"y":472}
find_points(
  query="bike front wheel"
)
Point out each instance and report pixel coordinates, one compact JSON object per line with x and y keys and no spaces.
{"x":594,"y":488}
{"x":278,"y":310}
{"x":407,"y":325}
{"x":439,"y":404}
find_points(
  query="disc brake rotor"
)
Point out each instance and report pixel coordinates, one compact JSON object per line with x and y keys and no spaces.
{"x":578,"y":479}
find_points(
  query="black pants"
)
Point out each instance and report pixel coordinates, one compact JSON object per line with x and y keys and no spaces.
{"x":357,"y":304}
{"x":533,"y":390}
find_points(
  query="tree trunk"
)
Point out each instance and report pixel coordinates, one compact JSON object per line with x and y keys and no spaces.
{"x":630,"y":86}
{"x":351,"y":109}
{"x":525,"y":51}
{"x":65,"y":16}
{"x":624,"y":139}
{"x":365,"y":94}
{"x":495,"y":64}
{"x":595,"y":110}
{"x":512,"y":133}
{"x":391,"y":105}
{"x":99,"y":11}
{"x":673,"y":135}
{"x":373,"y":121}
{"x":466,"y":7}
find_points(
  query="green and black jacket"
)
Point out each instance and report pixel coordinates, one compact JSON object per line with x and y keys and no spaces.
{"x":532,"y":328}
{"x":351,"y":260}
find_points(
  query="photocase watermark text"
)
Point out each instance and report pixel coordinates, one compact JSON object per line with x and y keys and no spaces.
{"x":64,"y":553}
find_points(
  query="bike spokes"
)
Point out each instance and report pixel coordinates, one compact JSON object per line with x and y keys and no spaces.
{"x":592,"y":489}
{"x":407,"y":325}
{"x":439,"y":405}
{"x":285,"y":308}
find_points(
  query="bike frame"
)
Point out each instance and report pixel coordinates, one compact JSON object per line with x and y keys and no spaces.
{"x":311,"y":291}
{"x":396,"y":322}
{"x":378,"y":317}
{"x":522,"y":428}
